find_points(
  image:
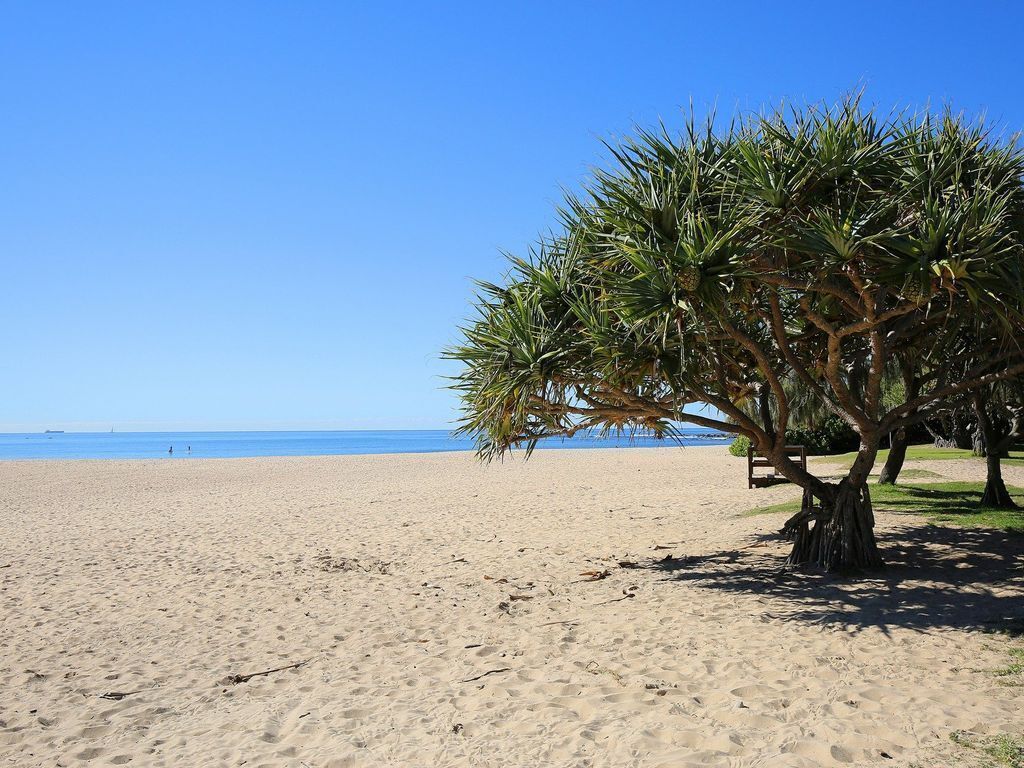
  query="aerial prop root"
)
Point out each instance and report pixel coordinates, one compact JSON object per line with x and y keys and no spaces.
{"x":834,"y":532}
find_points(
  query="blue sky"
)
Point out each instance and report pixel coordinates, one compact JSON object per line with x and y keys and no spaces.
{"x":268,"y":215}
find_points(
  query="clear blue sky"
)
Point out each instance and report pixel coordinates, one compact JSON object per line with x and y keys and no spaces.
{"x":267,"y":215}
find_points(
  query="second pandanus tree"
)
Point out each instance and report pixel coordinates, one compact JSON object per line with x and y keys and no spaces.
{"x":993,"y":414}
{"x":1000,"y":414}
{"x":708,"y":269}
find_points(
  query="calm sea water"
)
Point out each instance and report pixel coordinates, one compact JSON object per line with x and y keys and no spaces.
{"x":155,"y":445}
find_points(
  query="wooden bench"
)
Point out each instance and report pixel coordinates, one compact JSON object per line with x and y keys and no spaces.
{"x":757,"y":461}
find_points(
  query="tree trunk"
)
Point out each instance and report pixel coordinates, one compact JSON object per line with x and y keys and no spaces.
{"x":838,"y":533}
{"x":995,"y":494}
{"x":978,"y":446}
{"x":894,"y":462}
{"x":765,"y":407}
{"x":842,"y":535}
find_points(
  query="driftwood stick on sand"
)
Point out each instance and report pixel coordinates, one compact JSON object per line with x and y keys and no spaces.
{"x":616,"y":600}
{"x":118,"y":695}
{"x":485,"y":674}
{"x":236,"y":679}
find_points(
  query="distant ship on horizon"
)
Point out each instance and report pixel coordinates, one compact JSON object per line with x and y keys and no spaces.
{"x":54,"y":432}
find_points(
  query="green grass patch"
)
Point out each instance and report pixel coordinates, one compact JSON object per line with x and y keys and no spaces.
{"x":787,"y":507}
{"x":1015,"y":669}
{"x":913,"y":473}
{"x":1005,"y":748}
{"x":920,"y":453}
{"x":953,"y":502}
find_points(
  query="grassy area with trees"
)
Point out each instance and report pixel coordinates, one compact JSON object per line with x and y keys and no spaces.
{"x":953,"y":503}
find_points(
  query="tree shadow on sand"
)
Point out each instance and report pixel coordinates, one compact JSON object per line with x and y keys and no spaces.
{"x":936,"y":577}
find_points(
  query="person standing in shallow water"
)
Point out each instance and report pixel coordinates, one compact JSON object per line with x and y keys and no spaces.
{"x":170,"y":450}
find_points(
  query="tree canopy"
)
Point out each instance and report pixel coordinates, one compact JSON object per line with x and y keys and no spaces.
{"x":814,"y":245}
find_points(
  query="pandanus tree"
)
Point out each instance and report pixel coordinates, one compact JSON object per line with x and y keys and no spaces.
{"x":1008,"y":406}
{"x":993,"y":414}
{"x":710,"y":268}
{"x":999,"y":410}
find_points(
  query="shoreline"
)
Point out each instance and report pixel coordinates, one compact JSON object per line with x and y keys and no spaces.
{"x":722,"y":445}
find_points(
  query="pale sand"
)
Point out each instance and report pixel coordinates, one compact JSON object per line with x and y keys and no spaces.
{"x":164,"y":578}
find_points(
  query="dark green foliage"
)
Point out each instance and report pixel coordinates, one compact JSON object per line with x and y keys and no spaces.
{"x":739,"y":446}
{"x":832,"y":435}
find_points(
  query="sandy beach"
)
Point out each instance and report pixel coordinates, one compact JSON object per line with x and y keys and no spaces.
{"x":428,"y":610}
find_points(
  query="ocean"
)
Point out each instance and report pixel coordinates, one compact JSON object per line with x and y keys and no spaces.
{"x":226,"y":445}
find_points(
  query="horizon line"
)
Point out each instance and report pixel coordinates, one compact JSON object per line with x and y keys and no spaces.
{"x":249,"y":431}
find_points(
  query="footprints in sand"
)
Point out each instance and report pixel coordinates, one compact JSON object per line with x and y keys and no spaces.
{"x":226,"y":574}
